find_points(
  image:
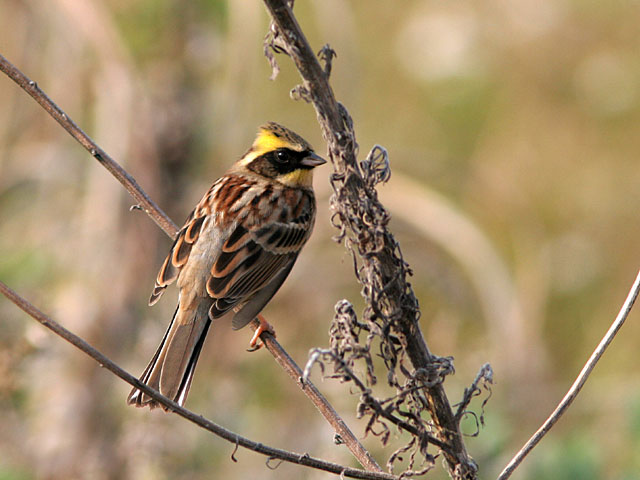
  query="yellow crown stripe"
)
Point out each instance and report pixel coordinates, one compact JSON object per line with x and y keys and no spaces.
{"x":267,"y":141}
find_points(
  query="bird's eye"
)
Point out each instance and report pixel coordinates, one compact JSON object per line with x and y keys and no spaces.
{"x":281,"y":156}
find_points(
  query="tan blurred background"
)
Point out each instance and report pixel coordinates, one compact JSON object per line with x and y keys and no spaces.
{"x":513,"y":132}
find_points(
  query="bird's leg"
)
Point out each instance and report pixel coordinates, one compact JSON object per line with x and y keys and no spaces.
{"x":263,"y":327}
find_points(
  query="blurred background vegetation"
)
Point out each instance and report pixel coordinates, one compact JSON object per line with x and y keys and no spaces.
{"x":512,"y":127}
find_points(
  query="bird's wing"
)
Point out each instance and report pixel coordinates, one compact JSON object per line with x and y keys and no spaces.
{"x":254,"y":306}
{"x":256,"y":247}
{"x":179,"y":253}
{"x":252,"y":260}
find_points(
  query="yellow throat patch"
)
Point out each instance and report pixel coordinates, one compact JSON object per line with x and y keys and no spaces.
{"x":297,"y":178}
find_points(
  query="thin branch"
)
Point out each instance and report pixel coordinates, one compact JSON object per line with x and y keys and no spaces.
{"x":485,"y":375}
{"x":579,"y":382}
{"x":166,"y":224}
{"x":323,"y":406}
{"x":348,"y":182}
{"x":127,"y":181}
{"x":368,"y":400}
{"x":271,"y":452}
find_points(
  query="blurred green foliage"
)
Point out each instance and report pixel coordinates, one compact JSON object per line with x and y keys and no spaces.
{"x":576,"y":457}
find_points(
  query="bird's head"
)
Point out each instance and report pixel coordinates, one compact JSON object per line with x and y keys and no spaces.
{"x":282,"y":155}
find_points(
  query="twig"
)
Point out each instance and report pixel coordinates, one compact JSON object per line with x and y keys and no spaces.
{"x":578,"y":384}
{"x":323,"y":406}
{"x":486,"y":376}
{"x":170,"y":228}
{"x":365,"y":394}
{"x":401,"y":302}
{"x":127,"y":181}
{"x":271,"y":452}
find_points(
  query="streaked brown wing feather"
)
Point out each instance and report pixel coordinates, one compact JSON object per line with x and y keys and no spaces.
{"x":179,"y":253}
{"x":243,"y":283}
{"x":255,"y":278}
{"x":237,"y":275}
{"x":252,"y":257}
{"x":282,"y":237}
{"x":265,"y":242}
{"x":257,"y":302}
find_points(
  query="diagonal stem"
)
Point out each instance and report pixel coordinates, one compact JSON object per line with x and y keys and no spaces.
{"x":337,"y":130}
{"x":170,"y":228}
{"x":127,"y":181}
{"x":323,"y":406}
{"x":105,"y":362}
{"x":578,"y":384}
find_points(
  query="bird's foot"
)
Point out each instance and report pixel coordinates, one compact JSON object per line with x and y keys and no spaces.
{"x":263,"y":327}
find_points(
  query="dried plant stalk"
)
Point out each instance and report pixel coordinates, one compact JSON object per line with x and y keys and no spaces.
{"x":391,"y":314}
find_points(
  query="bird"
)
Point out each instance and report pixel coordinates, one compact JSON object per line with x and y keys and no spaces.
{"x":233,"y":253}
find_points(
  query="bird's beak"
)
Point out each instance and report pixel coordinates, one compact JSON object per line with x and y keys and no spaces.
{"x":312,"y":160}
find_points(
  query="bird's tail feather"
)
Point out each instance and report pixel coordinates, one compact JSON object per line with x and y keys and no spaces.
{"x":171,"y":369}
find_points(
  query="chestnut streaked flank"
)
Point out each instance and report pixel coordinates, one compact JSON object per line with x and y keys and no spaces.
{"x":233,"y":253}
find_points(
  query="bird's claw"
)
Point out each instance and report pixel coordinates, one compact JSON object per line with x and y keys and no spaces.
{"x":264,"y":326}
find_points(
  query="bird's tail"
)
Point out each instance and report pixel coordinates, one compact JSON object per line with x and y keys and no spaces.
{"x":171,"y":369}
